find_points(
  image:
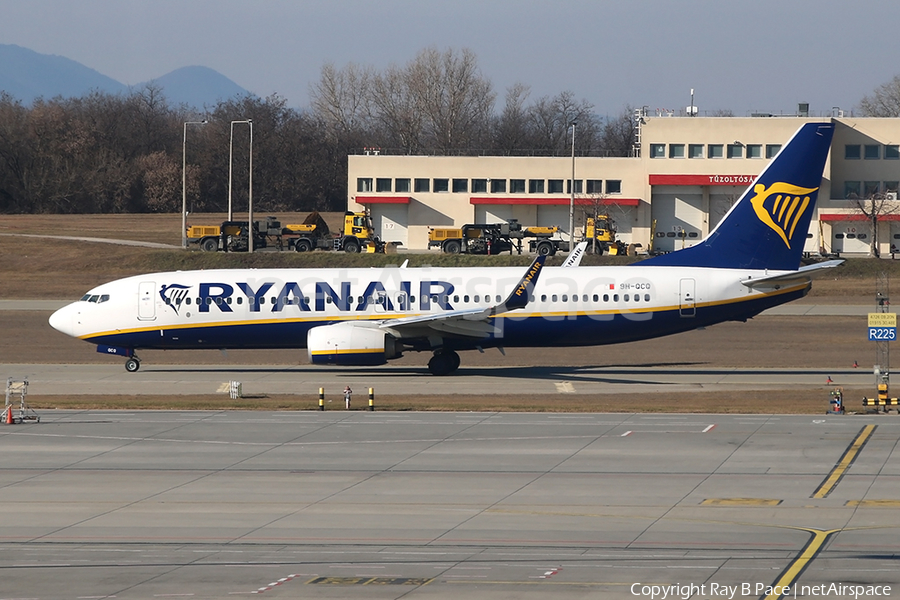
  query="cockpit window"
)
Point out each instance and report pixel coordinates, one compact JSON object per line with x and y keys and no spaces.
{"x":104,"y":297}
{"x":85,"y":298}
{"x":95,"y":298}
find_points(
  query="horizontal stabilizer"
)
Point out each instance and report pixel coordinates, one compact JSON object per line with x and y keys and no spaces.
{"x":800,"y":275}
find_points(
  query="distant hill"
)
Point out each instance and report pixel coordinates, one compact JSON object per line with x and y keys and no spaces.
{"x":197,"y":86}
{"x":27,"y":75}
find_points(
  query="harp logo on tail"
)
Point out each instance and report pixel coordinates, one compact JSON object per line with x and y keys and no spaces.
{"x":788,"y":203}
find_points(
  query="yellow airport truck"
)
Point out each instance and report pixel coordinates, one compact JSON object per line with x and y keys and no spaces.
{"x":496,"y":238}
{"x":357,"y":234}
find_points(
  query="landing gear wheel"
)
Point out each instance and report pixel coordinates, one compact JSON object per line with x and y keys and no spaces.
{"x":132,"y":365}
{"x":444,"y":362}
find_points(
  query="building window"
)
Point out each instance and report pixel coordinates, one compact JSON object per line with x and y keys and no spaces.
{"x":871,"y":188}
{"x":695,"y":150}
{"x":772,"y":150}
{"x":891,"y":186}
{"x":754,"y":150}
{"x":441,"y":185}
{"x":460,"y":186}
{"x":363,"y":184}
{"x":873,"y":152}
{"x":422,"y":185}
{"x":852,"y":189}
{"x":516,"y":186}
{"x":554,"y":186}
{"x":735,"y":151}
{"x":535,"y":186}
{"x":851,"y":152}
{"x":657,"y":150}
{"x":676,"y":150}
{"x":613,"y":186}
{"x":578,"y":186}
{"x":594,"y":186}
{"x":498,"y":186}
{"x":891,"y":152}
{"x":401,"y":185}
{"x":383,"y":184}
{"x":714,"y":151}
{"x":479,"y":186}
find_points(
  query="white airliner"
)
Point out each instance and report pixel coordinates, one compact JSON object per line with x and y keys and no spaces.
{"x":748,"y":263}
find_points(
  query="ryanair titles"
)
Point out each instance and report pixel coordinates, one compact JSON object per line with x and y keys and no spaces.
{"x":267,"y":297}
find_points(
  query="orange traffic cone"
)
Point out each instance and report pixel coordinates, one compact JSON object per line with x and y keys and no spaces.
{"x":829,"y":380}
{"x":855,"y":365}
{"x":9,"y":417}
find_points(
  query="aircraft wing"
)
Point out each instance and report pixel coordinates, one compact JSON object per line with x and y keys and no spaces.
{"x":470,"y":322}
{"x":800,"y":275}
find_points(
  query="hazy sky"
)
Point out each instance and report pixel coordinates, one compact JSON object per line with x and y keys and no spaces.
{"x":744,"y":56}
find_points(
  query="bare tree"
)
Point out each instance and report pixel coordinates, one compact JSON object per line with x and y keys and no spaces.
{"x":884,"y":101}
{"x":511,"y":127}
{"x":875,"y":207}
{"x":455,"y":99}
{"x":550,"y":119}
{"x":341,"y":97}
{"x":618,"y":134}
{"x":396,"y":109}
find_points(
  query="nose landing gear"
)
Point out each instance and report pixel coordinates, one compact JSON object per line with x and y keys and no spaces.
{"x":133,"y":364}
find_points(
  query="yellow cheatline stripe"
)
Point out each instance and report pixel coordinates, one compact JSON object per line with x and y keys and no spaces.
{"x":874,"y":503}
{"x":741,"y":502}
{"x":849,"y":456}
{"x":383,"y":316}
{"x":809,"y":552}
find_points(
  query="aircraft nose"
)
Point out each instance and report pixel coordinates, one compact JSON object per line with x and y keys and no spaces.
{"x":63,"y":320}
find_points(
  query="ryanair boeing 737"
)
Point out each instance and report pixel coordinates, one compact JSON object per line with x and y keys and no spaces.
{"x":748,"y":263}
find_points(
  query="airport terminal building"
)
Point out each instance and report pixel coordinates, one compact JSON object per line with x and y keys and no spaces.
{"x":685,"y":174}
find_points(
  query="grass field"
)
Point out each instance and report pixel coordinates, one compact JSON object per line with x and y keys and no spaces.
{"x":45,"y":268}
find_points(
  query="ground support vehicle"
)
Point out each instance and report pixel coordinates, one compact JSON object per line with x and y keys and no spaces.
{"x":313,"y":234}
{"x":600,"y":233}
{"x":495,"y":238}
{"x":230,"y":236}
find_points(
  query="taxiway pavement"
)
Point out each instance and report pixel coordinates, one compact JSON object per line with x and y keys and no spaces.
{"x":305,"y":380}
{"x":443,"y":505}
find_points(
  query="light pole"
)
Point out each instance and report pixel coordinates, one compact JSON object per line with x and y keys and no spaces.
{"x":230,"y":154}
{"x":184,"y":242}
{"x":572,"y":197}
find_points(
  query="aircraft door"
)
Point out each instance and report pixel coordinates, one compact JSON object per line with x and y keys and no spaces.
{"x":147,"y":301}
{"x":687,"y":298}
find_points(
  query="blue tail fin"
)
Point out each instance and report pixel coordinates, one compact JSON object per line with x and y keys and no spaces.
{"x":767,"y":226}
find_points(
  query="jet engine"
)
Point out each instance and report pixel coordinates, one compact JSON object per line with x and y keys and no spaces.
{"x":350,"y":344}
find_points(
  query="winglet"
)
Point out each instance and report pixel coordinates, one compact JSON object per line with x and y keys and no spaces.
{"x":575,"y":256}
{"x":522,"y":292}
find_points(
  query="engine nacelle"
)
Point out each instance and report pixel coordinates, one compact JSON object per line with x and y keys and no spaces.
{"x":350,"y":344}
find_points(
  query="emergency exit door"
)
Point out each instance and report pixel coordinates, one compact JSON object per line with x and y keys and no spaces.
{"x":147,"y":300}
{"x":687,"y":303}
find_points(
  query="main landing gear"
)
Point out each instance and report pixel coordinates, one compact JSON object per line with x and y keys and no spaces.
{"x":443,"y":362}
{"x":133,"y":364}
